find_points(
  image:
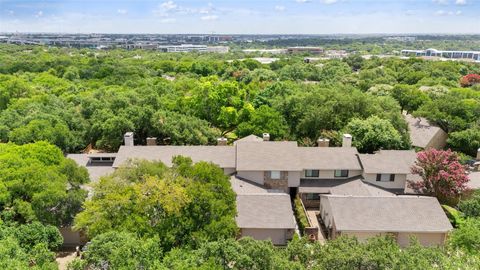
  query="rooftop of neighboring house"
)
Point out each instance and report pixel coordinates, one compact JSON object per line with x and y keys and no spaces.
{"x":329,"y":158}
{"x":388,"y":161}
{"x":388,"y":214}
{"x":422,"y":132}
{"x":223,"y":156}
{"x":94,"y":170}
{"x":268,"y":156}
{"x":265,"y":210}
{"x":354,"y":187}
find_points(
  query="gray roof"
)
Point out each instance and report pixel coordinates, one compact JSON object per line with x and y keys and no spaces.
{"x":389,"y":161}
{"x":388,"y":214}
{"x":329,"y":158}
{"x":421,"y":131}
{"x":354,"y":187}
{"x":223,"y":156}
{"x":474,"y":182}
{"x":255,"y":156}
{"x":265,"y":211}
{"x":249,"y":138}
{"x":95,"y":172}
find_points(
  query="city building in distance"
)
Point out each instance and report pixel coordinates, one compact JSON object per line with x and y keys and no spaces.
{"x":463,"y":55}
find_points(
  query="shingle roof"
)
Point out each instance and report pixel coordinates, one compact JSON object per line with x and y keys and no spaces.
{"x":265,"y":211}
{"x":329,"y":158}
{"x":95,"y":172}
{"x":421,"y":131}
{"x":223,"y":156}
{"x":255,"y":156}
{"x":388,"y":214}
{"x":353,"y":187}
{"x":388,"y":161}
{"x":249,"y":138}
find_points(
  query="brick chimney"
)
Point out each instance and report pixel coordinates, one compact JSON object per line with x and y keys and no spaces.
{"x":151,"y":141}
{"x":222,"y":141}
{"x":323,"y":142}
{"x":347,"y":140}
{"x":128,"y":139}
{"x":266,"y":137}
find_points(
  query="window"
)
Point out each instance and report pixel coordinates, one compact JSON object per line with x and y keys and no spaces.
{"x":274,"y":174}
{"x":385,"y":177}
{"x":312,"y":196}
{"x":341,"y":173}
{"x":312,"y":173}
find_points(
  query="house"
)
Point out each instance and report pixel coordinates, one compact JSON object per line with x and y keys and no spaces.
{"x":389,"y":169}
{"x":266,"y":216}
{"x":425,"y":135}
{"x":266,"y":174}
{"x":399,"y":216}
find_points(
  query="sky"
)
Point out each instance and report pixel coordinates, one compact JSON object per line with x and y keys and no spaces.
{"x":241,"y":16}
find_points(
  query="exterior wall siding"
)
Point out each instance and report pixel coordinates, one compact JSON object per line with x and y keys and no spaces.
{"x":278,"y":236}
{"x":254,"y":176}
{"x":425,"y":239}
{"x":400,"y":181}
{"x":330,"y":174}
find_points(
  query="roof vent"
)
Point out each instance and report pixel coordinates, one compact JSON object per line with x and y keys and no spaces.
{"x":266,"y":137}
{"x":323,"y":142}
{"x":151,"y":141}
{"x":222,"y":141}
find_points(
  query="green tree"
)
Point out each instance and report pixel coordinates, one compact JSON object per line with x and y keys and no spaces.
{"x":467,"y":236}
{"x":465,"y":141}
{"x":373,"y":133}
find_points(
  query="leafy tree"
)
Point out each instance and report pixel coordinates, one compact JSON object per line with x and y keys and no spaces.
{"x":465,"y":141}
{"x":181,"y":206}
{"x":467,"y":237}
{"x":373,"y":133}
{"x":409,"y":98}
{"x":471,"y":206}
{"x":470,"y":80}
{"x":442,"y":175}
{"x":182,"y":129}
{"x":38,"y":183}
{"x":264,"y":120}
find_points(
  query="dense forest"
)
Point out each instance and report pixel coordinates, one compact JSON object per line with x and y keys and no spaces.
{"x":60,"y":100}
{"x":73,"y":98}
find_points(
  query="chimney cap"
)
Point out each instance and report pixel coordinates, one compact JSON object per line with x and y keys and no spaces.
{"x":347,"y":135}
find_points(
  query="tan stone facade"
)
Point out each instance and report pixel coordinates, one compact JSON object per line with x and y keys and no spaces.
{"x":280,"y":184}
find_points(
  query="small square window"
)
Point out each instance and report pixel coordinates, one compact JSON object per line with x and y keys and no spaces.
{"x":312,"y":173}
{"x":275,"y":174}
{"x":385,"y":177}
{"x":341,"y":173}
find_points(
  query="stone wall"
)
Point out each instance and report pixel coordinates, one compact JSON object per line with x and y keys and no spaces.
{"x":280,"y":184}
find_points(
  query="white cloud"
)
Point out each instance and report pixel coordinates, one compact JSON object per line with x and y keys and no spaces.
{"x":440,"y":2}
{"x":302,"y":1}
{"x":328,"y":2}
{"x":461,"y":2}
{"x":168,"y":5}
{"x":440,"y":12}
{"x":122,"y":11}
{"x":458,"y":13}
{"x":447,"y":13}
{"x":280,"y":8}
{"x":209,"y":18}
{"x":39,"y":14}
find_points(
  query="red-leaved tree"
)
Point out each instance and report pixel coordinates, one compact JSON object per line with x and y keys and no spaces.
{"x":469,"y":80}
{"x":442,"y":175}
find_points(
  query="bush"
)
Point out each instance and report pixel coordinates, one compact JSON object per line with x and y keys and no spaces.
{"x":471,"y":207}
{"x":300,"y":215}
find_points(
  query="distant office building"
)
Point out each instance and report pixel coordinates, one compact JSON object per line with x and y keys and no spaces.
{"x":271,"y":51}
{"x":193,"y":48}
{"x":312,"y":50}
{"x":473,"y":55}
